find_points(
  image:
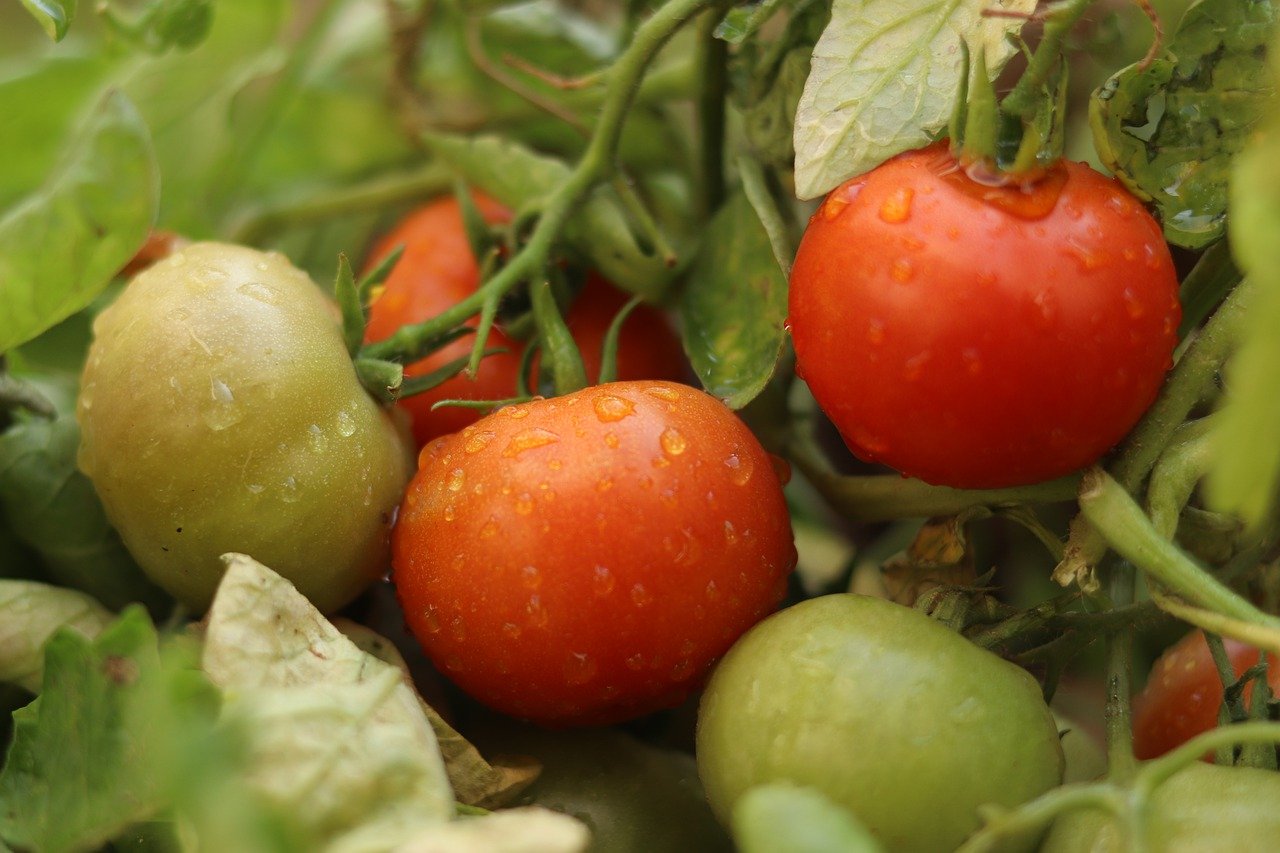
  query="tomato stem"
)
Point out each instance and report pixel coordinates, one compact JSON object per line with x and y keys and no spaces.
{"x":1176,"y":474}
{"x":712,"y":57}
{"x":1032,"y":818}
{"x":1209,"y":281}
{"x":1024,"y":99}
{"x":1121,"y":761}
{"x":1157,"y":772}
{"x":558,"y":346}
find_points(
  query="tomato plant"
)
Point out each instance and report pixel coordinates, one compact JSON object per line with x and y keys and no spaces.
{"x":927,"y":726}
{"x":219,"y":412}
{"x":979,"y":336}
{"x":584,"y":559}
{"x":1184,"y":693}
{"x":438,"y":269}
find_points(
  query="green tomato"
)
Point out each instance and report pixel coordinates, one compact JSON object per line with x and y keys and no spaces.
{"x":1203,"y":808}
{"x":635,"y":798}
{"x":1085,"y":758}
{"x":887,"y":712}
{"x":219,"y":411}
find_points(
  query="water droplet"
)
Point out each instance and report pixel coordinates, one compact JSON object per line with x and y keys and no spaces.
{"x":555,"y":464}
{"x":536,"y":612}
{"x":611,"y":440}
{"x":256,"y":488}
{"x":517,"y":413}
{"x":672,"y":441}
{"x":972,"y":360}
{"x":530,"y":577}
{"x":289,"y":490}
{"x":603,"y":581}
{"x":902,"y":271}
{"x":529,"y":439}
{"x":913,"y":367}
{"x":682,"y":670}
{"x":669,"y":395}
{"x":347,"y":425}
{"x":1089,"y":257}
{"x":740,"y":468}
{"x":610,"y":409}
{"x":456,"y":478}
{"x":431,"y":620}
{"x":896,"y":208}
{"x":316,"y":438}
{"x":875,"y":331}
{"x":261,"y":266}
{"x":1133,"y":305}
{"x":450,"y":513}
{"x":730,"y":534}
{"x":524,"y":503}
{"x":479,"y":441}
{"x":489,"y":529}
{"x":640,"y":596}
{"x":579,"y":668}
{"x":1046,"y":305}
{"x":259,"y":291}
{"x":224,"y":411}
{"x":458,"y":629}
{"x":511,"y":630}
{"x":712,"y":590}
{"x":635,"y":662}
{"x":660,"y":462}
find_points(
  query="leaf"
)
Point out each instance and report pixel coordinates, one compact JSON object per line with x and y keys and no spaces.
{"x":885,"y":75}
{"x":337,"y":737}
{"x":1170,"y":132}
{"x":745,"y":21}
{"x":475,"y":781}
{"x":54,"y":16}
{"x":61,"y":248}
{"x":74,"y":777}
{"x":1246,"y":460}
{"x":55,"y":511}
{"x":783,"y":818}
{"x":30,"y":613}
{"x":525,"y":830}
{"x":734,"y":306}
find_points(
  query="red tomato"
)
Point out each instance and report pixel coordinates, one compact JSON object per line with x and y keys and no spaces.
{"x":981,"y":337}
{"x":585,"y":559}
{"x":1184,"y":692}
{"x":438,"y":270}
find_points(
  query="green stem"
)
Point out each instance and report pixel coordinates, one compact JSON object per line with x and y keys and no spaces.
{"x":1154,"y":773}
{"x":1130,"y":533}
{"x":885,"y":497}
{"x":1119,"y":712}
{"x":713,"y":59}
{"x":1031,"y":818}
{"x":559,"y":350}
{"x":756,"y":187}
{"x":1022,"y":100}
{"x":1176,"y":474}
{"x":254,"y":227}
{"x":1209,"y":281}
{"x":596,"y":164}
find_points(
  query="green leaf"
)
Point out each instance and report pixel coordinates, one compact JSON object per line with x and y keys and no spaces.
{"x":336,"y":736}
{"x":30,"y":613}
{"x":1246,"y":465}
{"x":1170,"y":132}
{"x":62,"y":247}
{"x":75,"y":777}
{"x":54,"y":16}
{"x":734,"y":306}
{"x":745,"y":21}
{"x":884,"y":79}
{"x":54,"y":510}
{"x":782,"y":818}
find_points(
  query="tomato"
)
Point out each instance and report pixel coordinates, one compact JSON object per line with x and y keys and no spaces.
{"x":584,"y":559}
{"x":219,"y":411}
{"x":1184,"y":692}
{"x":438,"y":270}
{"x":635,"y":798}
{"x":982,"y":337}
{"x":1200,"y":809}
{"x":887,"y":712}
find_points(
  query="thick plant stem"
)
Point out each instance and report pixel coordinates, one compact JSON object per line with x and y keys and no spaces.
{"x":1175,"y":476}
{"x":597,"y":164}
{"x":1119,"y":713}
{"x":713,"y":56}
{"x":1035,"y":816}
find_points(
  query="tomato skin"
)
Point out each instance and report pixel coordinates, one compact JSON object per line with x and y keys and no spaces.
{"x":219,"y":411}
{"x":890,"y":714}
{"x":1184,"y":692}
{"x":438,"y":270}
{"x":974,"y":346}
{"x":584,"y":559}
{"x":1200,"y":809}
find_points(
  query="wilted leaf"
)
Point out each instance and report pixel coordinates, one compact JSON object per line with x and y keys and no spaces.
{"x":885,"y":76}
{"x":30,"y":613}
{"x":1169,"y":132}
{"x":734,"y":306}
{"x":61,"y":248}
{"x":783,"y":818}
{"x":337,"y":736}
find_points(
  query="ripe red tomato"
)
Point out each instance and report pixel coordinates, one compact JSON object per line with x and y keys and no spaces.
{"x":438,"y":270}
{"x":981,"y":337}
{"x":585,"y":559}
{"x":1184,"y":692}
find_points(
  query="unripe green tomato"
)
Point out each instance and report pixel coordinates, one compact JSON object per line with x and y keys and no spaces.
{"x":1203,"y":808}
{"x":220,"y":412}
{"x":634,"y":797}
{"x":887,"y":712}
